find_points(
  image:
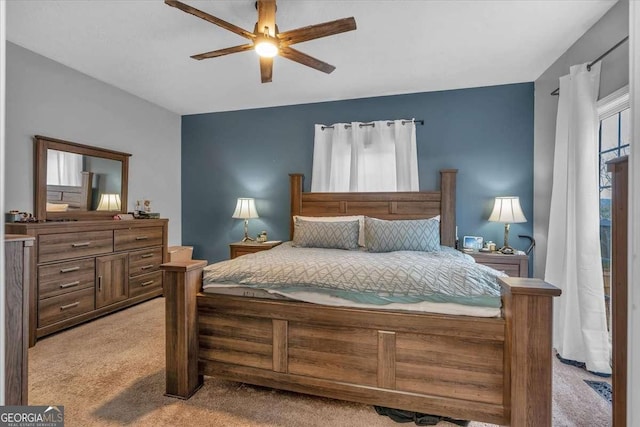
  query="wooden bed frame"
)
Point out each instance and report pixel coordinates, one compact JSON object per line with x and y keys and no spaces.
{"x":495,"y":370}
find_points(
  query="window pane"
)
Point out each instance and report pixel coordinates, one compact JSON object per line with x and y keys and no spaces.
{"x":625,"y":150}
{"x":609,"y":130}
{"x":625,"y":127}
{"x":605,"y":177}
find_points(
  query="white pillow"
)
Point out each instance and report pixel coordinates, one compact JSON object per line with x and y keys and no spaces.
{"x":360,"y":219}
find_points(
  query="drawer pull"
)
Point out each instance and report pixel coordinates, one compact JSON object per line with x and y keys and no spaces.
{"x":147,"y":283}
{"x":65,"y":307}
{"x":146,"y":256}
{"x":146,"y":267}
{"x":142,"y":237}
{"x":99,"y":283}
{"x":80,"y":245}
{"x":69,"y":270}
{"x":69,"y":285}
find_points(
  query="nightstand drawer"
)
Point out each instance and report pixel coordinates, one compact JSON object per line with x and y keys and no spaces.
{"x":56,"y":309}
{"x":145,"y":261}
{"x":512,"y":265}
{"x":139,"y":237}
{"x":246,"y":248}
{"x":509,"y":269}
{"x":64,"y":277}
{"x":145,"y":283}
{"x":56,"y":247}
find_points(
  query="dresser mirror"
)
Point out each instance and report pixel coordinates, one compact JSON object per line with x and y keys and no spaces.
{"x":75,"y":181}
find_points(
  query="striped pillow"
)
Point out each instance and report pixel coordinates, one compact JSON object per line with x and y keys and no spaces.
{"x":402,"y":235}
{"x":331,"y":235}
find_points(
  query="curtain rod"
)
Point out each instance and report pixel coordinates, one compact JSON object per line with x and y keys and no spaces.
{"x":373,"y":124}
{"x":600,"y":58}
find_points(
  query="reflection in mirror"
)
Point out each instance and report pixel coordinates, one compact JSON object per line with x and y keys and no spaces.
{"x":70,"y":188}
{"x":72,"y":178}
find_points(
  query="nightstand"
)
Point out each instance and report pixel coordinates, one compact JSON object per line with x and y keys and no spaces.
{"x":243,"y":248}
{"x":513,"y":265}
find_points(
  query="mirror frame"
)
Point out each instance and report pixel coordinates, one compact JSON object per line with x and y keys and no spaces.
{"x":42,"y":144}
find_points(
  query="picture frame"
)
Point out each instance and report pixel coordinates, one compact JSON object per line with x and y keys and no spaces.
{"x":473,"y":243}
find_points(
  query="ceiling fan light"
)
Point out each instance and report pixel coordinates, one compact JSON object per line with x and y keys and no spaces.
{"x":266,"y":48}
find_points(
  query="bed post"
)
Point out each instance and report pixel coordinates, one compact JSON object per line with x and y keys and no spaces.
{"x":528,"y":313}
{"x":182,"y":282}
{"x":448,"y":207}
{"x":295,"y":185}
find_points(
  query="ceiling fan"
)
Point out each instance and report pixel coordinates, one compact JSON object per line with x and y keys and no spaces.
{"x":267,"y":41}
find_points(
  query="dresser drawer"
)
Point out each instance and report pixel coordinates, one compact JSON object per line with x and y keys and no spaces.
{"x":145,"y":283}
{"x":64,"y":277}
{"x":56,"y":247}
{"x":65,"y":306}
{"x":145,"y":261}
{"x":140,"y":237}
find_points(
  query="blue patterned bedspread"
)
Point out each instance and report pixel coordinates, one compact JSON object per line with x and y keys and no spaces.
{"x":372,"y":278}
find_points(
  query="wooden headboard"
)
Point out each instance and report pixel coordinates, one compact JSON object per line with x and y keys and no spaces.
{"x":77,"y":197}
{"x":387,"y":205}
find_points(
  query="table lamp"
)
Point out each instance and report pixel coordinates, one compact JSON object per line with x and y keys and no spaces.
{"x":245,"y":209}
{"x":507,"y":210}
{"x":109,"y":202}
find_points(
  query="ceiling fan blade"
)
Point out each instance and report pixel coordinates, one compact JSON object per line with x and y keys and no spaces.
{"x":311,"y":32}
{"x":304,"y":59}
{"x":267,"y":16}
{"x":266,"y":69}
{"x":222,"y":52}
{"x":210,"y":18}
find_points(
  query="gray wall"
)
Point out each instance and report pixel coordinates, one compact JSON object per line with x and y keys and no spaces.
{"x":612,"y":28}
{"x":486,"y":133}
{"x":47,"y":98}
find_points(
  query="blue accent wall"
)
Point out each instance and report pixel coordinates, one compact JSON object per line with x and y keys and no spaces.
{"x":486,"y":133}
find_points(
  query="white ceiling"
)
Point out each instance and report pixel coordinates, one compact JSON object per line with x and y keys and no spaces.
{"x":143,"y":46}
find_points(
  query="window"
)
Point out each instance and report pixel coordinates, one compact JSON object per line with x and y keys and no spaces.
{"x":614,"y":141}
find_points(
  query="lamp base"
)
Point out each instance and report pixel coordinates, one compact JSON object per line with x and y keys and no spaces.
{"x":507,"y":250}
{"x":246,"y":232}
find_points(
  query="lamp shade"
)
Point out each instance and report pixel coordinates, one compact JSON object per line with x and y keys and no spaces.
{"x":507,"y":210}
{"x":109,"y":202}
{"x":245,"y":208}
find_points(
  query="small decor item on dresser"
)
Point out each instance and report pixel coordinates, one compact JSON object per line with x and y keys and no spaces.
{"x":13,"y":216}
{"x":147,"y":215}
{"x":143,"y":205}
{"x":262,"y":237}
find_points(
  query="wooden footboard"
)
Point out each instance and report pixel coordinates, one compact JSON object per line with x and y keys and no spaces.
{"x":495,"y":370}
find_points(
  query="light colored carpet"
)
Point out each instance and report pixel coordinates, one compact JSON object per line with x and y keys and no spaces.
{"x":110,"y":372}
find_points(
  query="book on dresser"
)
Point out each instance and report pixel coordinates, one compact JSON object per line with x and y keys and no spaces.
{"x":85,"y":269}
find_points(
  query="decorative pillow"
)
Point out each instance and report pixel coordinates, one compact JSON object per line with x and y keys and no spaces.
{"x":360,"y":219}
{"x":402,"y":235}
{"x":57,"y":207}
{"x":331,"y":235}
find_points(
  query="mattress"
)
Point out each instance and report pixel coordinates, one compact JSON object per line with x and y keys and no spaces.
{"x":444,"y":281}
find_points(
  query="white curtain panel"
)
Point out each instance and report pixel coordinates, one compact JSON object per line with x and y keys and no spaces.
{"x":64,"y":168}
{"x":573,"y":256}
{"x":353,"y":158}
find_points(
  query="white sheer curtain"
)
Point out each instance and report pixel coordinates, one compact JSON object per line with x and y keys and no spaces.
{"x":573,"y":255}
{"x":355,"y":157}
{"x":64,"y":168}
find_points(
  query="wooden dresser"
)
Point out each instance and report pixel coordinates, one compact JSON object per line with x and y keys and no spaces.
{"x":18,"y":255}
{"x":85,"y":269}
